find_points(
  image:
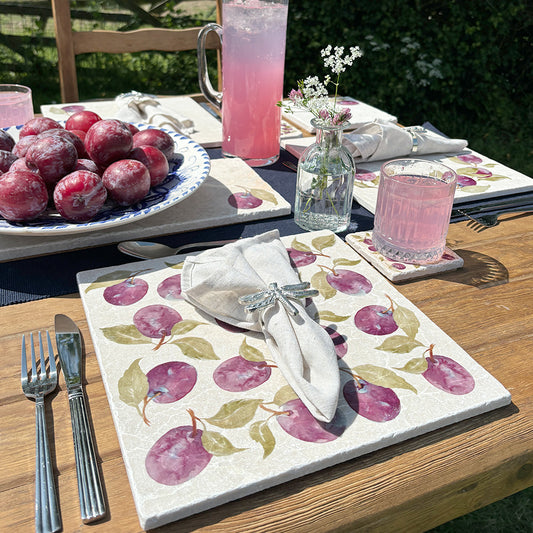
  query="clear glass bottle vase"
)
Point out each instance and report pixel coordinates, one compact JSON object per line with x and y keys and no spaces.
{"x":324,"y":185}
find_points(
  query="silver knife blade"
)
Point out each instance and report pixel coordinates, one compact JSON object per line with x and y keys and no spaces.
{"x":69,"y":346}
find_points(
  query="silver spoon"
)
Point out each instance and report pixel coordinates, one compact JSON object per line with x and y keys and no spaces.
{"x":154,"y":250}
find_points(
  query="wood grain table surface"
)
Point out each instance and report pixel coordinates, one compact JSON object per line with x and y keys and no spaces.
{"x":486,"y":307}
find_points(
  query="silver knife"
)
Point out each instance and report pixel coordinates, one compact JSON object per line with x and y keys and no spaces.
{"x":68,"y":340}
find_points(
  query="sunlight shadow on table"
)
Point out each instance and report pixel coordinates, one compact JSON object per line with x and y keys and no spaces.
{"x":479,"y":270}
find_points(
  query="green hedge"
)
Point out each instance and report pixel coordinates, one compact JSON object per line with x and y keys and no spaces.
{"x":463,"y":65}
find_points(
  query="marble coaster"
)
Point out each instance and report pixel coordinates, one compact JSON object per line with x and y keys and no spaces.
{"x":394,"y":270}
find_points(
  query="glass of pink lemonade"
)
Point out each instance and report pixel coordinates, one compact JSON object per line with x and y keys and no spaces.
{"x":16,"y":106}
{"x":253,"y":59}
{"x":415,"y":199}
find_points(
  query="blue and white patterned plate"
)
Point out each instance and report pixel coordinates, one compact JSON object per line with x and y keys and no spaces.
{"x":188,"y":170}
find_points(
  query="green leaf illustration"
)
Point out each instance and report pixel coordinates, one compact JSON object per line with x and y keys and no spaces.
{"x":383,"y":377}
{"x":261,"y":433}
{"x":235,"y":414}
{"x":175,"y":265}
{"x":341,"y":261}
{"x":300,"y":246}
{"x":133,"y":386}
{"x":110,"y":279}
{"x":475,"y":188}
{"x":326,"y":241}
{"x":285,"y":394}
{"x":418,"y":365}
{"x":320,"y":283}
{"x":494,"y":177}
{"x":264,"y":195}
{"x":216,"y":444}
{"x":249,"y":352}
{"x":329,"y":316}
{"x":398,"y":344}
{"x":406,"y":320}
{"x":185,"y":326}
{"x":195,"y":348}
{"x":125,"y":334}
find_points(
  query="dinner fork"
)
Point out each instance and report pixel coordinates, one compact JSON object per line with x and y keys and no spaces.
{"x":37,"y":386}
{"x":489,"y":220}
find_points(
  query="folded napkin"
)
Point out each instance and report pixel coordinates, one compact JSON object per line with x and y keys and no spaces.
{"x":139,"y":107}
{"x":215,"y":280}
{"x":379,"y":140}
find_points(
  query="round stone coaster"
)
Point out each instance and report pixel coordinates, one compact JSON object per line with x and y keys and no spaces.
{"x":394,"y":270}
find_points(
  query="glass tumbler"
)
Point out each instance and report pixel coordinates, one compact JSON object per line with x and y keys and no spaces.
{"x":16,"y":106}
{"x":415,"y":199}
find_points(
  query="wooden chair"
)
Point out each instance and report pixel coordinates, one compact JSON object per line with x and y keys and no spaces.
{"x":72,"y":43}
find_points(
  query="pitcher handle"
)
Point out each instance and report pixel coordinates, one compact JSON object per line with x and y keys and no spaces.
{"x":212,"y":96}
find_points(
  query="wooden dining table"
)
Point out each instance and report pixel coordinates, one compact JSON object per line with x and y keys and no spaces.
{"x":486,"y":307}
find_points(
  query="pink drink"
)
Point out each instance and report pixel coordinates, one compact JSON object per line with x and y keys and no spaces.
{"x":16,"y":106}
{"x":413,"y":211}
{"x":253,"y":57}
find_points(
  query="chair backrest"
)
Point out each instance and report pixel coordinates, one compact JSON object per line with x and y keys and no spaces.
{"x":72,"y":43}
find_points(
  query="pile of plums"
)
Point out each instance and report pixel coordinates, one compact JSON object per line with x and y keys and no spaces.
{"x":78,"y":167}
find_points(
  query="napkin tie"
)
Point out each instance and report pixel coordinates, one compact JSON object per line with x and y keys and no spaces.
{"x":378,"y":141}
{"x":215,"y":280}
{"x":139,"y":107}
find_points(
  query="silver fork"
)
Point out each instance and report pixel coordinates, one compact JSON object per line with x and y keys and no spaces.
{"x":482,"y":222}
{"x":37,"y":386}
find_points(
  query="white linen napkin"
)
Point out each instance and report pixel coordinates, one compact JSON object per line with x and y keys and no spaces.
{"x":214,"y":281}
{"x":139,"y":107}
{"x":379,"y":140}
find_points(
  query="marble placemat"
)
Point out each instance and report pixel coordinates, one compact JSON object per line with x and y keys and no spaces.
{"x":207,"y":129}
{"x":397,"y":271}
{"x":479,"y":177}
{"x":203,"y":416}
{"x":232,"y":193}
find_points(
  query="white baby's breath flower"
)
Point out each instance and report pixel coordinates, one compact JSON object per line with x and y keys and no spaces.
{"x":312,"y":94}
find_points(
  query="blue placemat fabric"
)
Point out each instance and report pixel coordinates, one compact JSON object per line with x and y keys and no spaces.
{"x":55,"y":275}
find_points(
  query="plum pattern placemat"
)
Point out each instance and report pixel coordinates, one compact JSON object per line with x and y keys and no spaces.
{"x":202,"y":414}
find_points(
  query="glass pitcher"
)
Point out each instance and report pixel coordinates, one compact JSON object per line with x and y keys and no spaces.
{"x":253,"y":56}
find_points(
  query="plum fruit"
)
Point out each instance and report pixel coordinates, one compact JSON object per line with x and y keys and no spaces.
{"x":38,"y":125}
{"x":177,"y":456}
{"x":23,"y":195}
{"x":6,"y":160}
{"x":107,"y":141}
{"x":154,"y":160}
{"x":375,"y":320}
{"x":238,"y":374}
{"x":339,"y":342}
{"x":447,"y":375}
{"x":87,"y":164}
{"x":156,"y":321}
{"x":299,"y":258}
{"x":82,"y":120}
{"x":127,"y":181}
{"x":154,"y":137}
{"x":53,"y":157}
{"x":6,"y":141}
{"x":374,"y":402}
{"x":349,"y":282}
{"x":298,"y":422}
{"x":69,"y":136}
{"x":22,"y":145}
{"x":171,"y":381}
{"x":170,"y":288}
{"x":126,"y":292}
{"x":79,"y":195}
{"x":20,"y":164}
{"x":244,"y":200}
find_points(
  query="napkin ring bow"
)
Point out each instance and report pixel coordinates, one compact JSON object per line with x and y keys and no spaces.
{"x":268,"y":297}
{"x":412,"y":131}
